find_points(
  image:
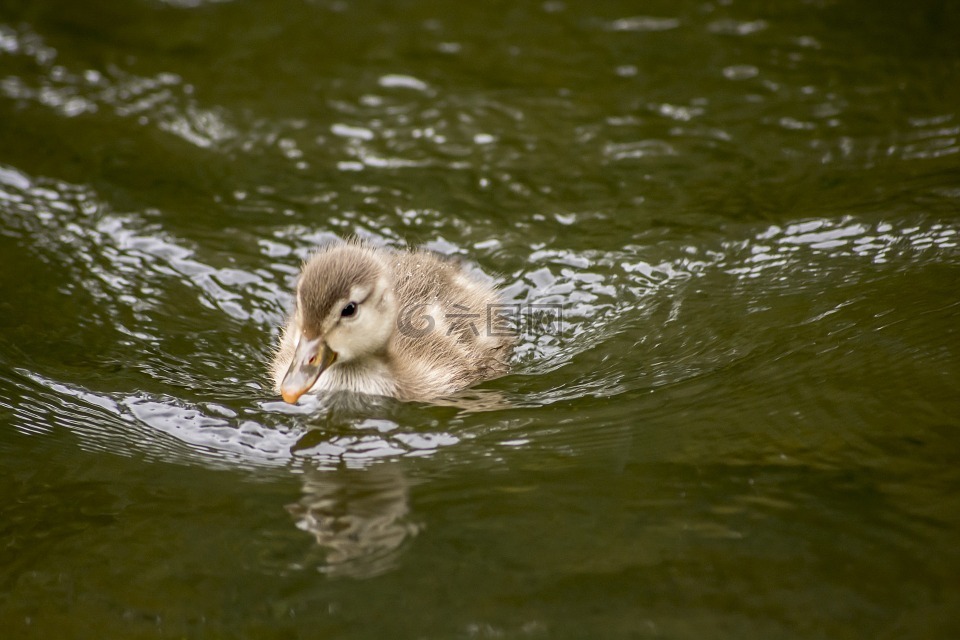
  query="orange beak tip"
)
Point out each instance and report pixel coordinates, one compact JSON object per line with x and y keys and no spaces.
{"x":292,"y":393}
{"x":310,"y":359}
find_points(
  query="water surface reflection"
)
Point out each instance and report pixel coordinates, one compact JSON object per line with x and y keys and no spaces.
{"x":359,"y":516}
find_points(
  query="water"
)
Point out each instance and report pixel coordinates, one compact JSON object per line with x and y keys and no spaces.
{"x":743,"y":425}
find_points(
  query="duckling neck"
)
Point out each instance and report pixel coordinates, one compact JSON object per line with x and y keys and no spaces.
{"x":370,"y":375}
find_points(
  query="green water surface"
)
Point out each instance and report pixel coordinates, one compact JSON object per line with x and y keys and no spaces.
{"x":746,"y":423}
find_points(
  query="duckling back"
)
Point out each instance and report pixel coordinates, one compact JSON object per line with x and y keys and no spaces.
{"x":449,"y":333}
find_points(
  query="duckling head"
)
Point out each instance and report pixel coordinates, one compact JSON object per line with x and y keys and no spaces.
{"x":346,"y":311}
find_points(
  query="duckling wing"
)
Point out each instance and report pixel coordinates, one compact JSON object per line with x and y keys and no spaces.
{"x":448,"y":336}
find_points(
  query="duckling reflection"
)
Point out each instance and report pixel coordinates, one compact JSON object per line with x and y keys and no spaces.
{"x":359,"y":517}
{"x":406,"y":324}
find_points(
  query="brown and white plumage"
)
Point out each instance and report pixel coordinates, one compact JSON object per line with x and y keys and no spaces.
{"x":409,"y":324}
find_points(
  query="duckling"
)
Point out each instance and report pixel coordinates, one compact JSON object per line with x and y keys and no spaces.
{"x":413,"y":325}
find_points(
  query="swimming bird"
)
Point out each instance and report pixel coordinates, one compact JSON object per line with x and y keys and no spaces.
{"x":414,"y":325}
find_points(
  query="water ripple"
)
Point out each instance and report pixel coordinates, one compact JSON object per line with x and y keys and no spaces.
{"x":194,"y":323}
{"x":163,"y":100}
{"x":616,"y":308}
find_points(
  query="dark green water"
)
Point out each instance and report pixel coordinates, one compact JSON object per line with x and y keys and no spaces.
{"x":747,"y":426}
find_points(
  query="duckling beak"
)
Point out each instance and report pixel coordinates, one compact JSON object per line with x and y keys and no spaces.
{"x":311,"y":358}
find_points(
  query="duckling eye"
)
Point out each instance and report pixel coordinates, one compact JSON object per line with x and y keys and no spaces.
{"x":349,"y":310}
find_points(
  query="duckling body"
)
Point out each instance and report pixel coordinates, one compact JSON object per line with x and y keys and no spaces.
{"x":408,"y":324}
